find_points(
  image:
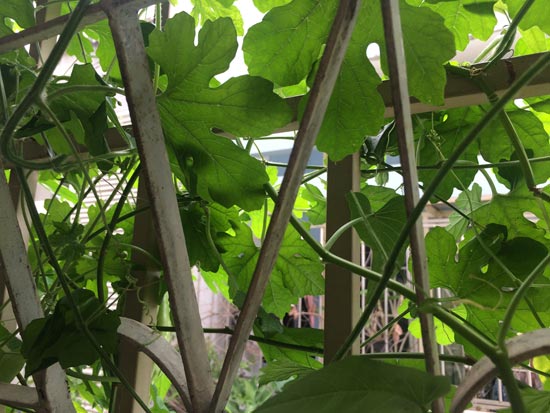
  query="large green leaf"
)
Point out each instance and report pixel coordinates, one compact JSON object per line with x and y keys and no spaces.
{"x":297,"y":272}
{"x":356,"y":109}
{"x":215,"y":168}
{"x":57,"y":337}
{"x":532,"y":40}
{"x":380,"y":229}
{"x":509,"y":210}
{"x":356,"y":384}
{"x":495,"y":145}
{"x":428,"y":44}
{"x":465,"y":17}
{"x":288,"y":41}
{"x":477,"y":277}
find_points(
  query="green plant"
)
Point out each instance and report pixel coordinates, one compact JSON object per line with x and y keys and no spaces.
{"x":491,"y":258}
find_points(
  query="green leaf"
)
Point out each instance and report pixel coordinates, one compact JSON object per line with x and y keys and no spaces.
{"x":309,"y":337}
{"x":428,"y":45}
{"x":460,"y":276}
{"x":265,"y":5}
{"x":282,"y":370}
{"x":509,"y":210}
{"x":105,"y":50}
{"x":317,"y":211}
{"x":477,"y":279}
{"x":378,"y":196}
{"x":465,"y":17}
{"x":190,"y":109}
{"x":467,"y":202}
{"x":495,"y":145}
{"x":297,"y":272}
{"x":81,"y":103}
{"x":356,"y":109}
{"x":84,"y":114}
{"x":11,"y":360}
{"x":538,"y":14}
{"x":355,"y":383}
{"x":535,"y":401}
{"x":22,"y":11}
{"x":193,"y":219}
{"x":204,"y":10}
{"x":532,"y":41}
{"x":57,"y":338}
{"x":287,"y":42}
{"x":381,"y":228}
{"x":444,"y":334}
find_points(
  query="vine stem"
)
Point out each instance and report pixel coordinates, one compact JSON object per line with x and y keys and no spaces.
{"x":85,"y":88}
{"x":110,"y":230}
{"x":229,"y":331}
{"x":509,"y":36}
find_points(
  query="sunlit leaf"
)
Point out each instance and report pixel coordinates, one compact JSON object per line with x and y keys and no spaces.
{"x":215,"y":167}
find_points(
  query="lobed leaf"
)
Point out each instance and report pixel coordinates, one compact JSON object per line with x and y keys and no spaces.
{"x":215,"y":168}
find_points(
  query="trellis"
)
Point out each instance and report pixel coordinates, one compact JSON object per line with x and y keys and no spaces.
{"x":189,"y":370}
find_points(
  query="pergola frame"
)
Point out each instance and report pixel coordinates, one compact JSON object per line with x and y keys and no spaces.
{"x":342,"y":295}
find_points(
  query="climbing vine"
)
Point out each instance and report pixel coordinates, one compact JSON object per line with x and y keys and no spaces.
{"x":491,"y":259}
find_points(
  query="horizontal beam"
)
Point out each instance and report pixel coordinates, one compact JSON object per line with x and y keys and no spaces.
{"x":55,"y":26}
{"x":459,"y":92}
{"x":19,"y":396}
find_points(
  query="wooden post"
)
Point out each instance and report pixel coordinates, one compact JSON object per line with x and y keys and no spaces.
{"x":342,"y":288}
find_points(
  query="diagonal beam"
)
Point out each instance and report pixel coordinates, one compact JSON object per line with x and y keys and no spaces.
{"x":400,"y":94}
{"x":126,"y":31}
{"x":325,"y":79}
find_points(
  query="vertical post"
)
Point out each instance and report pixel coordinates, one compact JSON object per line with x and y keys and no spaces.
{"x":140,"y":304}
{"x":342,"y":288}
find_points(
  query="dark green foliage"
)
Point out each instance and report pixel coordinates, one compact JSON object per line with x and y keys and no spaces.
{"x":58,"y":338}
